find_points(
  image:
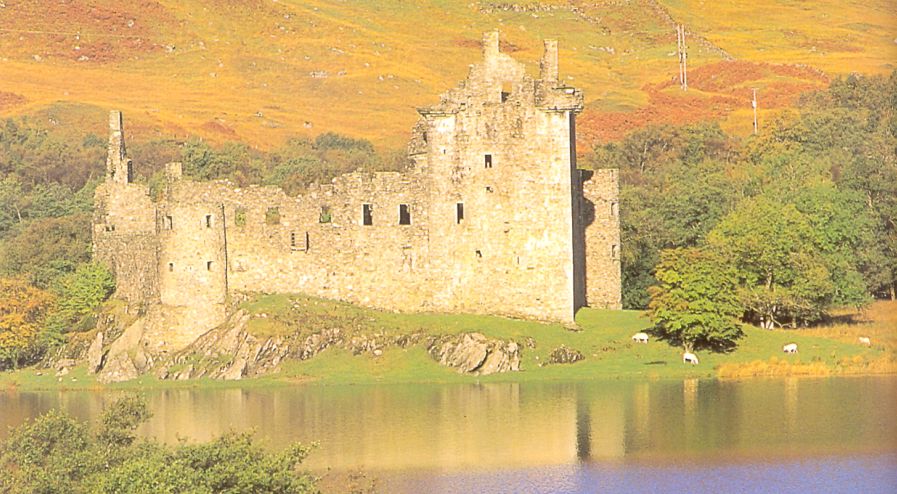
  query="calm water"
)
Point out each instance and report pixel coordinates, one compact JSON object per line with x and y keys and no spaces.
{"x":815,"y":435}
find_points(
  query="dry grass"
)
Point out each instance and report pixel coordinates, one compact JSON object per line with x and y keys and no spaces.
{"x":252,"y":71}
{"x":878,"y":323}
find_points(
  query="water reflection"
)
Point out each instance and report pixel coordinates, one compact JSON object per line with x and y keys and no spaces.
{"x":493,"y":426}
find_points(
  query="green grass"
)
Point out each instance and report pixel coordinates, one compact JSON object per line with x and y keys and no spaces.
{"x":603,"y":337}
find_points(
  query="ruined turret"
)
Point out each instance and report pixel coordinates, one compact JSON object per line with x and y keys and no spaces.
{"x":118,"y":165}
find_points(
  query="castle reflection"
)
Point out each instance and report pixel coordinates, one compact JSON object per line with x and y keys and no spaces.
{"x":507,"y":425}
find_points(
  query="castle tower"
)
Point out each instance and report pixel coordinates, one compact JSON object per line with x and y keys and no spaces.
{"x":118,"y":165}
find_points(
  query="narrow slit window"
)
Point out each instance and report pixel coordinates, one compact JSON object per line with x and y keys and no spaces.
{"x":326,"y":216}
{"x":170,"y":267}
{"x":169,"y":223}
{"x":614,"y":209}
{"x":459,"y":212}
{"x":208,"y":221}
{"x":614,"y":251}
{"x":208,"y":265}
{"x":488,"y":161}
{"x":489,"y":188}
{"x":367,"y":214}
{"x":404,"y":214}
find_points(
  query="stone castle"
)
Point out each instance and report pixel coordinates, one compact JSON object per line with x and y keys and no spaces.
{"x":492,"y":217}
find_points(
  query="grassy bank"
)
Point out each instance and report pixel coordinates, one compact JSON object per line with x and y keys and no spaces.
{"x":603,"y":337}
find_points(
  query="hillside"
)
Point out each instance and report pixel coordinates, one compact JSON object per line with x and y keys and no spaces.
{"x":259,"y":71}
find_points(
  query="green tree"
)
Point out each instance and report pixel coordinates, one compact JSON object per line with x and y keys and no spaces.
{"x":695,"y":303}
{"x":78,"y":295}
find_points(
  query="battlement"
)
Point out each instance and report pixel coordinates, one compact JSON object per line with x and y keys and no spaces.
{"x":493,"y":218}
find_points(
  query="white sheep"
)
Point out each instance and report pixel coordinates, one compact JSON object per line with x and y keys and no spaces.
{"x":640,"y":337}
{"x":865,"y":341}
{"x":690,"y":358}
{"x":790,"y":348}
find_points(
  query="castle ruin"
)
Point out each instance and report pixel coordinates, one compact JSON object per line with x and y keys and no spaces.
{"x":493,"y":217}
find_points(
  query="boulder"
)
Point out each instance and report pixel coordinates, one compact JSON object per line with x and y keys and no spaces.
{"x":474,"y":353}
{"x":564,"y":355}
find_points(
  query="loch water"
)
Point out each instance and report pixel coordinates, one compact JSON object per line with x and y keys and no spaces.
{"x":760,"y":435}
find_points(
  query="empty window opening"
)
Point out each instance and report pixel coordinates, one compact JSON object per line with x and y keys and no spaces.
{"x":240,"y":217}
{"x":169,"y":224}
{"x":479,"y":254}
{"x":326,"y":216}
{"x":489,"y":188}
{"x":459,"y":212}
{"x":614,"y":209}
{"x":208,"y":221}
{"x":367,"y":214}
{"x":272,"y":216}
{"x":170,"y":266}
{"x":488,"y":161}
{"x":614,"y":251}
{"x":425,"y":137}
{"x":208,"y":265}
{"x":404,"y":214}
{"x":110,"y":228}
{"x":505,"y":91}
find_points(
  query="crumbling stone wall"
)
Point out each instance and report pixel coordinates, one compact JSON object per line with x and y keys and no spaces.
{"x":492,"y":218}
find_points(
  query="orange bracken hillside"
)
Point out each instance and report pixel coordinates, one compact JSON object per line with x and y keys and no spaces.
{"x":260,"y":71}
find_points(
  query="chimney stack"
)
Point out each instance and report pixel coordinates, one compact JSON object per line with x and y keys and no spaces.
{"x":549,"y":65}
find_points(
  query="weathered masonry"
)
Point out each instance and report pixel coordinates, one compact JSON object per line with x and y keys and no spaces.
{"x":493,"y":217}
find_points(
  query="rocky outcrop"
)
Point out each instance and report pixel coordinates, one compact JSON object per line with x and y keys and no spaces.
{"x":474,"y":353}
{"x":126,"y":359}
{"x":95,"y":354}
{"x":564,"y":355}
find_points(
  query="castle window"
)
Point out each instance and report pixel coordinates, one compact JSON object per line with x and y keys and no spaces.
{"x":505,"y":91}
{"x":404,"y":214}
{"x":110,"y":228}
{"x":169,"y":224}
{"x":208,"y":221}
{"x":326,"y":216}
{"x":479,"y":254}
{"x":170,"y":267}
{"x":614,"y":252}
{"x":488,"y":161}
{"x":367,"y":214}
{"x":489,"y":189}
{"x":272,"y":216}
{"x":459,"y":212}
{"x":240,"y":217}
{"x":614,"y":209}
{"x":424,"y":135}
{"x":208,"y":265}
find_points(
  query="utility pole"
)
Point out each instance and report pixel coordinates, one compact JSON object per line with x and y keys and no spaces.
{"x":754,"y":104}
{"x":683,"y":56}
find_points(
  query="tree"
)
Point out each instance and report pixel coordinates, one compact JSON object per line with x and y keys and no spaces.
{"x":78,"y":295}
{"x":47,"y":248}
{"x":695,"y":302}
{"x":56,"y":454}
{"x":22,"y":310}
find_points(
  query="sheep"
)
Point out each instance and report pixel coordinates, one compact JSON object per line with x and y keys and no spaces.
{"x":689,"y":358}
{"x":790,"y":348}
{"x":640,"y":337}
{"x":865,"y":341}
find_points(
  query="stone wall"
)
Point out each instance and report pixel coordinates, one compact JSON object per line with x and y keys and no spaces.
{"x":493,"y":218}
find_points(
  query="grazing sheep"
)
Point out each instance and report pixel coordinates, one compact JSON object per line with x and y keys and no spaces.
{"x":689,"y":358}
{"x":790,"y":348}
{"x":865,"y":341}
{"x":640,"y":337}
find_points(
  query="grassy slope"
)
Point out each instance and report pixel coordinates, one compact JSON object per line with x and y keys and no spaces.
{"x":604,"y":339}
{"x":242,"y":70}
